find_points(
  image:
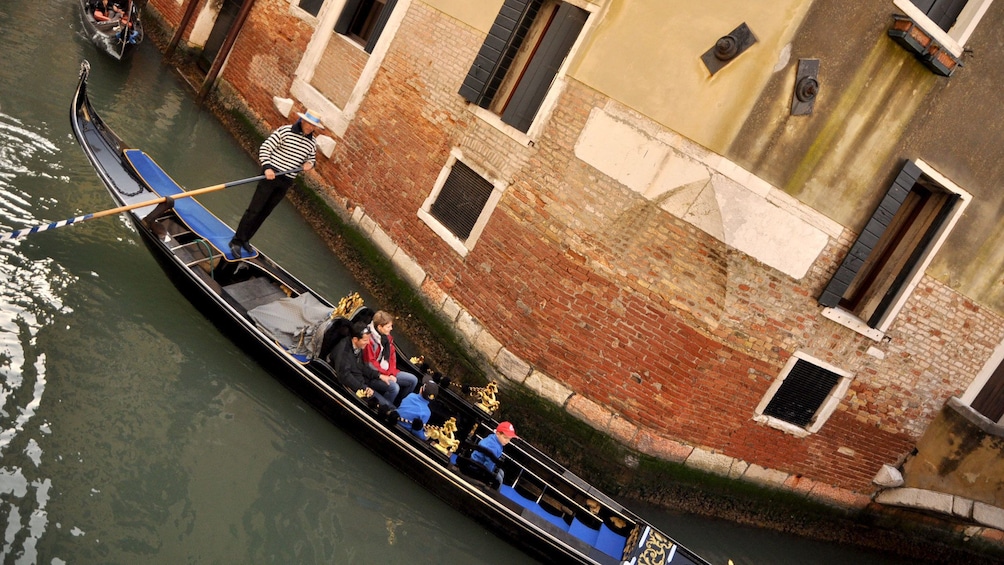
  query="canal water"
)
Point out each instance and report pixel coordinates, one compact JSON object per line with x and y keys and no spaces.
{"x":131,"y":429}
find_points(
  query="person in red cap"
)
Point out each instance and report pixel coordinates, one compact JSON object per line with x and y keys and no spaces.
{"x":489,"y":451}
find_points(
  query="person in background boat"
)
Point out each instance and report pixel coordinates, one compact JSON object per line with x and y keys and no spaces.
{"x":489,"y":450}
{"x":107,"y":10}
{"x":382,"y":356}
{"x":353,"y":372}
{"x":289,"y":147}
{"x":414,"y":411}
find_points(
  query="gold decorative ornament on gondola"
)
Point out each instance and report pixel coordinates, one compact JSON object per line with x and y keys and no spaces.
{"x":442,"y":436}
{"x":486,"y":396}
{"x":347,"y":306}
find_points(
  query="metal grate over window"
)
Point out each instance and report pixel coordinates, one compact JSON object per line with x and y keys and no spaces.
{"x":461,"y":200}
{"x":802,"y":393}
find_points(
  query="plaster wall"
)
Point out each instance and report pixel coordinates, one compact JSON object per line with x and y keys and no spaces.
{"x":878,"y":106}
{"x":962,"y":454}
{"x":646,"y":55}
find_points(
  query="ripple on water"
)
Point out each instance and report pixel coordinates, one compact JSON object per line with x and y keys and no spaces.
{"x":29,"y":300}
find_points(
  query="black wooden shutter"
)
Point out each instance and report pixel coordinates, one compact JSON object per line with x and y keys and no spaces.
{"x":348,"y":14}
{"x":541,"y":70}
{"x":942,"y":12}
{"x":381,"y":22}
{"x":990,"y":400}
{"x":802,"y":393}
{"x":497,"y":52}
{"x":869,"y":236}
{"x":918,"y":252}
{"x":311,"y":6}
{"x":461,"y":200}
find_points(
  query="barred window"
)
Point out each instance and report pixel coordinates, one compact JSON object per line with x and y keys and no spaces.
{"x":461,"y":203}
{"x":804,"y":395}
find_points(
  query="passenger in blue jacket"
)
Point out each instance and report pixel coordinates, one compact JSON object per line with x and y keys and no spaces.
{"x":490,"y":448}
{"x":414,"y":411}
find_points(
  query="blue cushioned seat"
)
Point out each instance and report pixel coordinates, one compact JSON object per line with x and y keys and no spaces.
{"x":193,"y":214}
{"x":610,"y":542}
{"x":532,"y":506}
{"x":583,"y":532}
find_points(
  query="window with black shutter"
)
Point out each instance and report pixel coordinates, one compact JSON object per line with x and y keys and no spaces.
{"x":893,"y":245}
{"x":802,"y":393}
{"x":363,"y":21}
{"x":520,"y":58}
{"x":944,"y":13}
{"x":461,"y":200}
{"x":312,"y":7}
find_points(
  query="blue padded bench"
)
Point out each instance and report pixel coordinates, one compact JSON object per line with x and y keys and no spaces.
{"x":193,"y":214}
{"x":532,"y":506}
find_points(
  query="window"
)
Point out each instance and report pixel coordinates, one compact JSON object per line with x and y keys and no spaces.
{"x":949,"y":22}
{"x":363,"y":21}
{"x":895,"y":246}
{"x":520,"y":58}
{"x":461,"y":203}
{"x":312,"y":7}
{"x":804,"y":395}
{"x":985,"y":394}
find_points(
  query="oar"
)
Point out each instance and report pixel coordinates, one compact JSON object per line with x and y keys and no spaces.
{"x":187,"y":194}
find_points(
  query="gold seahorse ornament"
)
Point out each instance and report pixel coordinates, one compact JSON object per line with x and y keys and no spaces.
{"x":442,"y":436}
{"x":486,"y":397}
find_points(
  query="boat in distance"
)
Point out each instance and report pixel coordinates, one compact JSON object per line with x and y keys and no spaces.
{"x":540,"y":506}
{"x":112,"y":37}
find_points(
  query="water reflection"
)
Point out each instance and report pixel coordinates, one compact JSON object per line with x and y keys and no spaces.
{"x":29,"y":298}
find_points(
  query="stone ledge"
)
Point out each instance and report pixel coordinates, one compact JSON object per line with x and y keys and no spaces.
{"x":916,"y":498}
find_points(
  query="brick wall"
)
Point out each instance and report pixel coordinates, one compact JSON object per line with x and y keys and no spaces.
{"x":339,"y":69}
{"x":595,"y":286}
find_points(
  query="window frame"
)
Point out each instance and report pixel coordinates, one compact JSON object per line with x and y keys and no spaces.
{"x":990,"y":372}
{"x":547,"y":105}
{"x":349,"y":15}
{"x":912,"y":278}
{"x":295,"y":4}
{"x":461,"y":246}
{"x":826,"y":408}
{"x":954,"y":40}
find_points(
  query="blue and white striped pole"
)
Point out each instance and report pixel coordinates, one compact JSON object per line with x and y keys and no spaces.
{"x":45,"y":227}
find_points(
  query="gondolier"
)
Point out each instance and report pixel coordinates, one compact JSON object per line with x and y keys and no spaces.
{"x":288,"y":147}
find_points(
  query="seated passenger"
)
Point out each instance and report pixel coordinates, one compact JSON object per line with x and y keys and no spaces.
{"x":489,"y":452}
{"x":353,"y":372}
{"x":106,"y":10}
{"x":414,"y":411}
{"x":382,"y":356}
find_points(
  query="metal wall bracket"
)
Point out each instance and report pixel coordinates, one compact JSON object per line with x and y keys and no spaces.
{"x":806,"y":87}
{"x":728,"y":48}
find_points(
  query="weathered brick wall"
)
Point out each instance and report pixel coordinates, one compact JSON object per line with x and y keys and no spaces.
{"x":172,"y":11}
{"x":600,"y":289}
{"x":338,"y":70}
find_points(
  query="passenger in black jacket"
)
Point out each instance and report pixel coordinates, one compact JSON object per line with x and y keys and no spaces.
{"x":352,"y":371}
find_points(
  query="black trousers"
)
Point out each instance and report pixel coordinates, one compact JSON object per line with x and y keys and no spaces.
{"x":267,"y":196}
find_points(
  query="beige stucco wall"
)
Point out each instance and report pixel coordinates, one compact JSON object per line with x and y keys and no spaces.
{"x":961,"y":453}
{"x":646,"y":54}
{"x":478,"y":14}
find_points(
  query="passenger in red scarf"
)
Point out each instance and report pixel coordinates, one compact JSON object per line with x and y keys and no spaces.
{"x":381,"y":355}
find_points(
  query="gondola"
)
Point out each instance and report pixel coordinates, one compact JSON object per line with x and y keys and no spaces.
{"x":112,"y":37}
{"x":540,"y":506}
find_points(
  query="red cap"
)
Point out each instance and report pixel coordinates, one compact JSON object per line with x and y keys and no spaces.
{"x":505,"y":428}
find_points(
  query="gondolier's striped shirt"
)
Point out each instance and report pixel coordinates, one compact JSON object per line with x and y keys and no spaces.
{"x":287,"y":149}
